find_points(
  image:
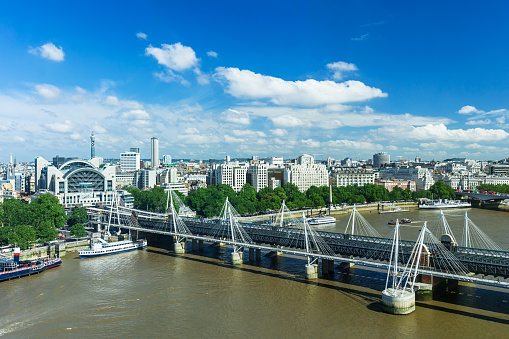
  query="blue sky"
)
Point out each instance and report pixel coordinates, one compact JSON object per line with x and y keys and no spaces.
{"x":267,"y":78}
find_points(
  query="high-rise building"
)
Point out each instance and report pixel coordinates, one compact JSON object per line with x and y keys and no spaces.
{"x":381,"y":159}
{"x":154,"y":154}
{"x":306,"y":173}
{"x":257,"y":176}
{"x":166,"y":159}
{"x":129,"y":161}
{"x":135,"y":149}
{"x":92,"y":146}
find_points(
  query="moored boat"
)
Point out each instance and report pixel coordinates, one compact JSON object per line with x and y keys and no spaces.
{"x":443,"y":204}
{"x":14,"y":268}
{"x":101,"y":247}
{"x":402,"y":221}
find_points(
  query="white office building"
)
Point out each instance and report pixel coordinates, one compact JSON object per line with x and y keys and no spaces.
{"x":257,"y":176}
{"x":154,"y":152}
{"x":129,"y":161}
{"x":306,"y":173}
{"x":352,"y":176}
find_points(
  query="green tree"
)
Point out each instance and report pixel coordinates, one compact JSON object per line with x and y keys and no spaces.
{"x":78,"y":216}
{"x":23,"y":236}
{"x":46,"y":208}
{"x":440,"y":190}
{"x":77,"y":230}
{"x":46,"y":231}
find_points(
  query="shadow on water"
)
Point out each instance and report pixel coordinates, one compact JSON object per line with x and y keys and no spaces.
{"x":358,"y":277}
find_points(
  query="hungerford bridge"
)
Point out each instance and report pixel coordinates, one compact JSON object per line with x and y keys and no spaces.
{"x":411,"y":266}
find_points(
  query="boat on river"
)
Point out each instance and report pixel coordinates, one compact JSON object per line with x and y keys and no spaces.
{"x":320,"y":219}
{"x":14,"y":268}
{"x":402,"y":221}
{"x":100,"y":247}
{"x":444,"y":204}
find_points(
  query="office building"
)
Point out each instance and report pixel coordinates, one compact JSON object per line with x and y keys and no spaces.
{"x":154,"y":152}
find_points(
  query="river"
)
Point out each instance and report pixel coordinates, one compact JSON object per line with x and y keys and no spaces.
{"x":153,"y":293}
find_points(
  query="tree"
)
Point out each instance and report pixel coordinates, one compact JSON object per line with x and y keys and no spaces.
{"x":78,"y":216}
{"x":46,"y":208}
{"x":440,"y":190}
{"x":23,"y":235}
{"x":77,"y":230}
{"x":46,"y":231}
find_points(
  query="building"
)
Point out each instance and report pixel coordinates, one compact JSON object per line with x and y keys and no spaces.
{"x":146,"y":178}
{"x":257,"y":176}
{"x":154,"y":152}
{"x":352,"y":176}
{"x":129,"y":162}
{"x":179,"y":187}
{"x":422,"y":176}
{"x":381,"y":159}
{"x":169,"y":175}
{"x":92,"y":146}
{"x":59,"y":161}
{"x":275,"y":161}
{"x":167,"y":159}
{"x":230,"y":174}
{"x":306,"y":173}
{"x":389,"y":184}
{"x":76,"y":182}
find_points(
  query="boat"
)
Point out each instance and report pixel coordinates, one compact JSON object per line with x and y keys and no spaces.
{"x":441,"y":204}
{"x":320,"y":219}
{"x":402,"y":221}
{"x":100,"y":247}
{"x":15,"y":268}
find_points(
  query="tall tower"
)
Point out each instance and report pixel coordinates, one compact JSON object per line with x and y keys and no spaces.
{"x":154,"y":152}
{"x":92,"y":146}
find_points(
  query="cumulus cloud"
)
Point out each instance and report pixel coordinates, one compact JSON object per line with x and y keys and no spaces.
{"x":141,"y":36}
{"x":65,"y":127}
{"x":442,"y":133}
{"x":191,"y":130}
{"x":47,"y":91}
{"x":339,"y":68}
{"x":136,"y":114}
{"x":236,"y":117}
{"x":248,"y":133}
{"x":286,"y":120}
{"x":345,"y":144}
{"x":279,"y":132}
{"x":469,"y":110}
{"x":249,"y":85}
{"x":232,"y":140}
{"x":176,"y":57}
{"x":49,"y":51}
{"x":478,"y":122}
{"x":212,"y":54}
{"x":311,"y":143}
{"x":129,"y":104}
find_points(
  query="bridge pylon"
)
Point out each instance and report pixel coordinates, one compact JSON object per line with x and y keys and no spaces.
{"x":178,"y":227}
{"x":229,"y":228}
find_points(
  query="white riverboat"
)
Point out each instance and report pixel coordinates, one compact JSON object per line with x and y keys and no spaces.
{"x":100,"y":247}
{"x":444,"y":204}
{"x":320,"y":220}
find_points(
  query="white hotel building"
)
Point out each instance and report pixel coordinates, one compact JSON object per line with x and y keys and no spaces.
{"x":306,"y":173}
{"x":353,"y":176}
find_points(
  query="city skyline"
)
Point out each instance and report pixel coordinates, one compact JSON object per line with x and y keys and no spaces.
{"x":210,"y":80}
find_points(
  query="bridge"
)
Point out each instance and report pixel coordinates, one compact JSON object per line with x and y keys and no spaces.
{"x":483,"y":196}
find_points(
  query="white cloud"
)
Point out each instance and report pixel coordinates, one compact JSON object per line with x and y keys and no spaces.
{"x":191,"y":130}
{"x":66,"y":127}
{"x":362,"y":37}
{"x":279,"y":132}
{"x":469,"y":110}
{"x":75,"y":136}
{"x":175,"y":57}
{"x":236,"y":117}
{"x":47,"y":91}
{"x":232,"y":140}
{"x":212,"y":54}
{"x":286,"y":120}
{"x":129,"y":104}
{"x":49,"y":51}
{"x":345,"y":144}
{"x":203,"y":79}
{"x":249,"y":133}
{"x":136,"y":114}
{"x":339,"y":68}
{"x":478,"y":122}
{"x":249,"y":85}
{"x":311,"y":143}
{"x":442,"y":133}
{"x":141,"y":36}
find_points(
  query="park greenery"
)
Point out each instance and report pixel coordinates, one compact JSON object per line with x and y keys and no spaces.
{"x":494,"y":188}
{"x":24,"y":224}
{"x":207,"y":202}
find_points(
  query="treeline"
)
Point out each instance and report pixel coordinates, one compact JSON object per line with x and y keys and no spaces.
{"x":208,"y":201}
{"x":24,"y":224}
{"x":501,"y":188}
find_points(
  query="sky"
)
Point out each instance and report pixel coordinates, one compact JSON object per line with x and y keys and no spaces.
{"x":265,"y":78}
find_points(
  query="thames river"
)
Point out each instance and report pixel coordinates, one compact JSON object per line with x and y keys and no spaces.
{"x":153,"y":293}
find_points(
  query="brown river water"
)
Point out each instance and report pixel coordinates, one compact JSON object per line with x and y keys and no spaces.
{"x":153,"y":293}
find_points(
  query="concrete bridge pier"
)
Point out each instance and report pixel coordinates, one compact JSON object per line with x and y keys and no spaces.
{"x":251,"y":254}
{"x":311,"y":271}
{"x":60,"y":250}
{"x":179,"y":247}
{"x":430,"y":287}
{"x":194,"y":245}
{"x":258,"y":254}
{"x":200,"y":244}
{"x":237,"y":258}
